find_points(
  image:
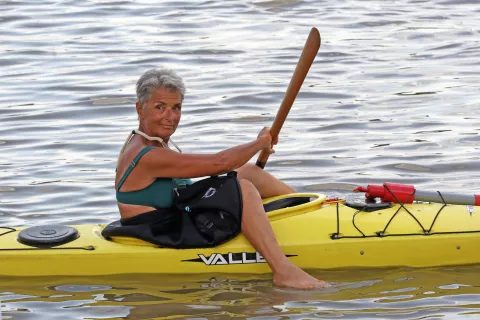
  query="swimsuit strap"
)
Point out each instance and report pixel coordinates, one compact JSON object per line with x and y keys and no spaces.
{"x":132,"y":165}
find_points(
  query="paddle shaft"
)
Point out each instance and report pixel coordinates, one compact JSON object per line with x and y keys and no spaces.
{"x":306,"y":59}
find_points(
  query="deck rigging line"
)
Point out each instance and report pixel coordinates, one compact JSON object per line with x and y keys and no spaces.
{"x":382,"y":234}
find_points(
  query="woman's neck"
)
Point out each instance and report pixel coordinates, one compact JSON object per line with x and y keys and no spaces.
{"x":151,"y":140}
{"x":154,"y":141}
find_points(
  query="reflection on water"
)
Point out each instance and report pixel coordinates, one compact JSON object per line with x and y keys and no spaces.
{"x":392,"y":96}
{"x":369,"y":294}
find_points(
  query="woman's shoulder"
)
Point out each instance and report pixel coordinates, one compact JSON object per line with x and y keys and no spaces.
{"x":133,"y":151}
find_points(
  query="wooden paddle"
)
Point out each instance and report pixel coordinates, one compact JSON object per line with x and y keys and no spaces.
{"x":306,"y":59}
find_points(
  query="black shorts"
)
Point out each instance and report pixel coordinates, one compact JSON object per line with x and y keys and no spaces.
{"x":206,"y":214}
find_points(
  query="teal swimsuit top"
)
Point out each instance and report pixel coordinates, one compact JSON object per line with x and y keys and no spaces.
{"x":159,"y":194}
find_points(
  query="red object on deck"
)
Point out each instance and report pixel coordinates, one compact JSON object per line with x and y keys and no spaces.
{"x":477,"y":199}
{"x":389,"y":192}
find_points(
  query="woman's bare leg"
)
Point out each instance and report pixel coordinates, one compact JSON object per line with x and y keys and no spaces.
{"x":257,"y":229}
{"x":266,"y":184}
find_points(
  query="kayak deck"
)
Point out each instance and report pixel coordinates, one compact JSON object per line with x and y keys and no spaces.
{"x":315,"y":235}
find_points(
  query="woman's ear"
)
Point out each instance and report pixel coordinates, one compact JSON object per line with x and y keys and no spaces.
{"x":139,"y":108}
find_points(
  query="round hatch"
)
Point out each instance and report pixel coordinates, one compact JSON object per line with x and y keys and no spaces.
{"x":48,"y":235}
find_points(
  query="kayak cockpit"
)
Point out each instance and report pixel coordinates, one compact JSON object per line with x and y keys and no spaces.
{"x":280,"y":207}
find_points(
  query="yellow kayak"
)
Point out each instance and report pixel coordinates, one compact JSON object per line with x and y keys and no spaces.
{"x":317,"y":234}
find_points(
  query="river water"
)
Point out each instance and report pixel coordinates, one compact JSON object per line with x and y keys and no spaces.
{"x":393,"y":96}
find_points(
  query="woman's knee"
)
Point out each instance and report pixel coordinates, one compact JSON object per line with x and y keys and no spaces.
{"x":248,"y":189}
{"x":246,"y":185}
{"x":246,"y":171}
{"x":252,"y":202}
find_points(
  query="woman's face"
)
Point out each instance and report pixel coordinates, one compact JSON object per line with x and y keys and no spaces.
{"x":161,"y":114}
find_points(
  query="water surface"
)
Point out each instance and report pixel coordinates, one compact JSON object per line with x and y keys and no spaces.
{"x":392,"y":96}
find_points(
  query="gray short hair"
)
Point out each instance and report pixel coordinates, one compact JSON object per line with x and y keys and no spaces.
{"x":154,"y":79}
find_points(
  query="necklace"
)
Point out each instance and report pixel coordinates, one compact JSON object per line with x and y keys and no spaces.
{"x":165,"y":145}
{"x":143,"y":134}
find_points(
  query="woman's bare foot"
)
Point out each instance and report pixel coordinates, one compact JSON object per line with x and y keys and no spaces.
{"x":293,"y":277}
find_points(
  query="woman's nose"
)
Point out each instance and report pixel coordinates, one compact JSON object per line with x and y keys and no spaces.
{"x":170,"y":115}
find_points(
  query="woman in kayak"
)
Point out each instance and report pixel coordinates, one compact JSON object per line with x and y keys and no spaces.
{"x":148,"y":171}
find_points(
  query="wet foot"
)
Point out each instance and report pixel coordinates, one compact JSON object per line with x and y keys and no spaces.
{"x":292,"y":276}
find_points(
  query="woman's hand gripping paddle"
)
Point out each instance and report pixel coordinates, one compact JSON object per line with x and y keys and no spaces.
{"x":306,"y":59}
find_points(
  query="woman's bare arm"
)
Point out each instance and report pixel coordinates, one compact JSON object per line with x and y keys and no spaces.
{"x":163,"y":163}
